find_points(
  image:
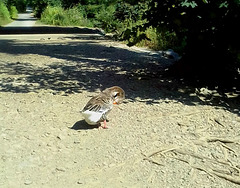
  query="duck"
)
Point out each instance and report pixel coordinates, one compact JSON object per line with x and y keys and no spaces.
{"x":98,"y":107}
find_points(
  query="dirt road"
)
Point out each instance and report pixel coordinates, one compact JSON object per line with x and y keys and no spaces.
{"x":24,"y":20}
{"x":165,"y":134}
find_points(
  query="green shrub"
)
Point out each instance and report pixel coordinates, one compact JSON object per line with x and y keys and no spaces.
{"x":106,"y":18}
{"x":76,"y":17}
{"x":39,"y":7}
{"x":52,"y":15}
{"x":4,"y":14}
{"x":91,"y":10}
{"x":159,"y":40}
{"x":61,"y":17}
{"x":120,"y":18}
{"x":13,"y":12}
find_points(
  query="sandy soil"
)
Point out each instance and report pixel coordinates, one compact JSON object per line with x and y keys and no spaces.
{"x":165,"y":134}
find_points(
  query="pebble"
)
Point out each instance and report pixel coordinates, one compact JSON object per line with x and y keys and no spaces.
{"x":105,"y":164}
{"x":28,"y":182}
{"x":60,"y":137}
{"x":61,"y":169}
{"x":79,"y":182}
{"x":155,"y":130}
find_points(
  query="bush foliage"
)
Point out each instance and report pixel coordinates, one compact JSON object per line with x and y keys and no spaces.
{"x":4,"y":14}
{"x":123,"y":18}
{"x":13,"y":12}
{"x":64,"y":17}
{"x":20,"y":5}
{"x":208,"y":30}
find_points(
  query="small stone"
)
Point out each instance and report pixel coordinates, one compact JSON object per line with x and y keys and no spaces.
{"x":28,"y":182}
{"x":105,"y":164}
{"x":61,"y":169}
{"x":79,"y":182}
{"x":155,"y":130}
{"x":59,"y":137}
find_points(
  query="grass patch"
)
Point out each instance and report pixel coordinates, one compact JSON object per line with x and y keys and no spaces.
{"x":61,"y":17}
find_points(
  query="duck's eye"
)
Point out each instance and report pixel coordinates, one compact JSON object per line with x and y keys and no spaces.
{"x":116,"y":94}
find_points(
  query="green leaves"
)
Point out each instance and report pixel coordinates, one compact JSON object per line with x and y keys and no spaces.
{"x":188,"y":3}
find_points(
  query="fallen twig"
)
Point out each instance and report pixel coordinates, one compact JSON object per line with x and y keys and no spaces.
{"x":213,"y":172}
{"x":178,"y":114}
{"x":218,"y":122}
{"x":215,"y":139}
{"x":160,"y":151}
{"x":153,"y":161}
{"x":227,"y":147}
{"x":183,"y":152}
{"x":200,"y":157}
{"x":233,"y":179}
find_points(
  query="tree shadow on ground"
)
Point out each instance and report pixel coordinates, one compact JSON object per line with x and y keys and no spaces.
{"x":46,"y":29}
{"x":77,"y":65}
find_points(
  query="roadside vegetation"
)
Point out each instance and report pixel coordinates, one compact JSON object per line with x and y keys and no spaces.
{"x":70,"y":17}
{"x":110,"y":15}
{"x":9,"y":10}
{"x":4,"y":14}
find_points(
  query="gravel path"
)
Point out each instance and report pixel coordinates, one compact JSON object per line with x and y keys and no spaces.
{"x":24,"y":20}
{"x":163,"y":135}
